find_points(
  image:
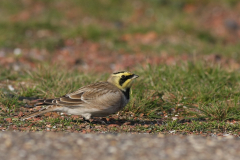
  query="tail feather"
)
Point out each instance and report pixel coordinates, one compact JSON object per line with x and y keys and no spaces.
{"x":39,"y":102}
{"x":40,"y":112}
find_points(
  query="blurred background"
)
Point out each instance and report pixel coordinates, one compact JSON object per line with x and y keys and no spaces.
{"x":110,"y":35}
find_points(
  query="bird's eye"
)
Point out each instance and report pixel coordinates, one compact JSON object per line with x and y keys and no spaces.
{"x":123,"y":77}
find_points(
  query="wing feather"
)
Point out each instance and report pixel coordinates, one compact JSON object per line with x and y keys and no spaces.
{"x":94,"y":93}
{"x":69,"y":100}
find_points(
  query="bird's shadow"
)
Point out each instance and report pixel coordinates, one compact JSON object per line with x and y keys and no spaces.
{"x":120,"y":122}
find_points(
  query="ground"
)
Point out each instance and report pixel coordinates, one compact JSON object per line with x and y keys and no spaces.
{"x":186,"y":54}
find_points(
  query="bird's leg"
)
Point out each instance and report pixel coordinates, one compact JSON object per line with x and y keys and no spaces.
{"x":86,"y":117}
{"x":103,"y":121}
{"x":86,"y":120}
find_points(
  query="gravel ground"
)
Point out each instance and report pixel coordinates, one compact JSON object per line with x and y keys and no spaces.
{"x":50,"y":146}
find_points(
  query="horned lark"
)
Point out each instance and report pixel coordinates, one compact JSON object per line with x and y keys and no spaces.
{"x":95,"y":100}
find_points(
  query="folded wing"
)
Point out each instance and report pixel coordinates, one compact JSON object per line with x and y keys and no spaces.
{"x":94,"y":94}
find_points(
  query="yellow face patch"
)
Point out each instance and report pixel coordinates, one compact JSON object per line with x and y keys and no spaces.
{"x":124,"y":79}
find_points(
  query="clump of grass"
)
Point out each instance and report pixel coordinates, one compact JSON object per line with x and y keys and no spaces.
{"x":196,"y":126}
{"x":222,"y":111}
{"x":54,"y":82}
{"x":184,"y":88}
{"x":7,"y":74}
{"x":9,"y":104}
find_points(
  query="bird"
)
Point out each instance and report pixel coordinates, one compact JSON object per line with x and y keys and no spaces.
{"x":99,"y":99}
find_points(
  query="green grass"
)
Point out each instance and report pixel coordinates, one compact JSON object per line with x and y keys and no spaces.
{"x":214,"y":90}
{"x":192,"y":90}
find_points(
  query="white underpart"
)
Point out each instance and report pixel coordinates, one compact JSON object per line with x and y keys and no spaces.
{"x":86,"y":112}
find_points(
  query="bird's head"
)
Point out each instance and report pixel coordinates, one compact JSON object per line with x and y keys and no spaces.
{"x":123,"y":80}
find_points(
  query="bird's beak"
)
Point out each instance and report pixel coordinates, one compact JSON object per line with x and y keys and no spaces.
{"x":135,"y":76}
